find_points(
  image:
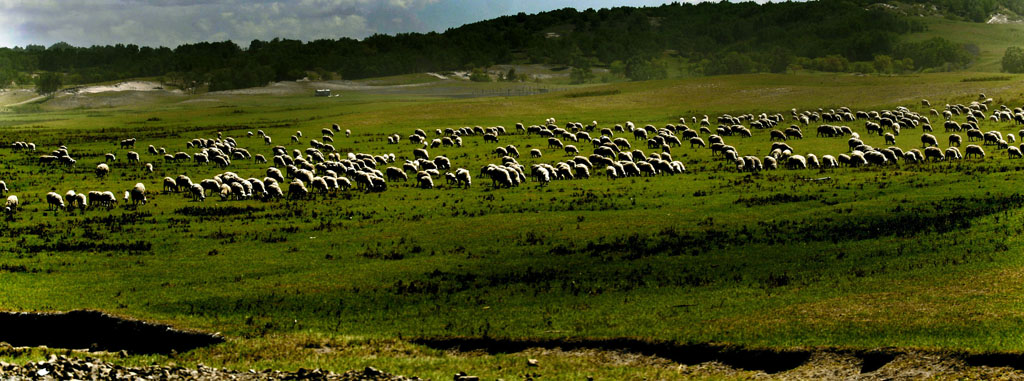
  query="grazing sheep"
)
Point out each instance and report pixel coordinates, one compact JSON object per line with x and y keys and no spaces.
{"x":424,"y":180}
{"x":54,"y":201}
{"x":11,"y":205}
{"x":890,"y":138}
{"x":170,"y":185}
{"x":796,"y":162}
{"x":348,"y":133}
{"x":952,"y":153}
{"x":696,"y":141}
{"x":462,"y":176}
{"x":975,"y":150}
{"x":81,"y":200}
{"x":138,"y":194}
{"x":109,"y":157}
{"x":102,"y":170}
{"x":571,"y":150}
{"x":535,"y":153}
{"x":395,"y":174}
{"x":3,"y":188}
{"x":1013,"y":152}
{"x":197,"y":192}
{"x":933,"y":153}
{"x":929,"y":140}
{"x":829,"y":162}
{"x":954,"y":140}
{"x":133,"y":157}
{"x":297,"y":190}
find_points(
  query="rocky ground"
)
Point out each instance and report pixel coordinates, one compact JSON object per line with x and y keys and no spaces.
{"x":66,"y":368}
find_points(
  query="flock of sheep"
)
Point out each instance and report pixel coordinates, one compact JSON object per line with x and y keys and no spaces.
{"x":320,"y":169}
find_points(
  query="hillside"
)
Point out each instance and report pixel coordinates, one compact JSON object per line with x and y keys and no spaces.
{"x":633,"y":43}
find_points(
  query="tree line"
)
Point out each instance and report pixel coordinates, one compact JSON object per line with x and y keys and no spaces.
{"x":712,"y":38}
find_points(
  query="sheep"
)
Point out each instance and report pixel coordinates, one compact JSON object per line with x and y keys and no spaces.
{"x":54,"y":201}
{"x":975,"y":150}
{"x":1013,"y":152}
{"x":274,"y":191}
{"x":133,"y":157}
{"x":348,"y":133}
{"x":3,"y":188}
{"x":297,"y":190}
{"x":696,"y":141}
{"x":462,"y":176}
{"x":424,"y":180}
{"x":102,"y":170}
{"x":170,"y":185}
{"x":11,"y":205}
{"x":138,"y":194}
{"x":929,"y":140}
{"x":183,"y":182}
{"x":829,"y":162}
{"x":535,"y":153}
{"x":197,"y":192}
{"x":954,"y":139}
{"x":81,"y":200}
{"x":796,"y":162}
{"x":571,"y":150}
{"x":933,"y":153}
{"x":890,"y":138}
{"x":395,"y":174}
{"x":952,"y":153}
{"x":109,"y":157}
{"x":275,"y":174}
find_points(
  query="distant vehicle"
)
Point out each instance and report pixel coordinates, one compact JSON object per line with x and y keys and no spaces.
{"x":323,"y":92}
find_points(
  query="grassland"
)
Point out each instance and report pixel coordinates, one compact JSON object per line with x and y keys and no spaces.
{"x":910,"y":256}
{"x":991,"y":40}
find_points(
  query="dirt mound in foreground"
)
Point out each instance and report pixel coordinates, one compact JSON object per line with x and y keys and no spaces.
{"x":64,"y":368}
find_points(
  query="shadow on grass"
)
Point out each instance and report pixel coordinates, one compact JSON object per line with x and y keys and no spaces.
{"x":97,"y":331}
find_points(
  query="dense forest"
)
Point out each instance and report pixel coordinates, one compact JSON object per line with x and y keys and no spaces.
{"x":712,"y":38}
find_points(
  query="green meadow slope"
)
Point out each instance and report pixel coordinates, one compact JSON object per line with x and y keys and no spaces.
{"x":923,"y":256}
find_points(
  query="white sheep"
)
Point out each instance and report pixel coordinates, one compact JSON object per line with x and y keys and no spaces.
{"x":462,"y":176}
{"x":138,"y":194}
{"x":197,"y":192}
{"x":82,"y":200}
{"x":11,"y":205}
{"x":54,"y":201}
{"x":974,"y":150}
{"x":102,"y":170}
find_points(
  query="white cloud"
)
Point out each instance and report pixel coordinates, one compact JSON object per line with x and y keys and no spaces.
{"x":173,"y":22}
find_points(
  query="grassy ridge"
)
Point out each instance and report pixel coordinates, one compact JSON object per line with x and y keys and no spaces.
{"x":909,"y":256}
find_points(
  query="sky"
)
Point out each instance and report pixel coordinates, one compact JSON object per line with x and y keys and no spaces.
{"x":174,"y":22}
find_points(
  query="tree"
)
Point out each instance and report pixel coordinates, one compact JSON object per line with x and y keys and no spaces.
{"x":638,"y":69}
{"x":580,"y":75}
{"x":479,"y":75}
{"x":1013,"y":60}
{"x":883,"y":64}
{"x":511,"y":76}
{"x":49,"y":83}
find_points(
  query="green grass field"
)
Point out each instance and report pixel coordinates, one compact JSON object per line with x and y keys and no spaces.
{"x":991,"y":40}
{"x":907,"y":256}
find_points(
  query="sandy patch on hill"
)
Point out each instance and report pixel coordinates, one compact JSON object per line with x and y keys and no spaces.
{"x":122,"y":86}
